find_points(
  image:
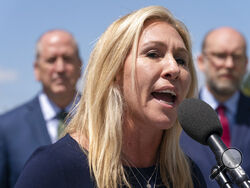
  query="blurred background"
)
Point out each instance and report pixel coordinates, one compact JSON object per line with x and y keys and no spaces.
{"x":23,"y":21}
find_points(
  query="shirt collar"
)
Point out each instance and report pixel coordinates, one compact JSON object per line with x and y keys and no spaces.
{"x":231,"y":104}
{"x":49,"y":108}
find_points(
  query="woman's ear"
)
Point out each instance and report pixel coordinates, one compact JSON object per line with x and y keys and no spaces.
{"x":118,"y":77}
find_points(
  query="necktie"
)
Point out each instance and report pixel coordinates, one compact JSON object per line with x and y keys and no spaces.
{"x":221,"y":109}
{"x":61,"y":118}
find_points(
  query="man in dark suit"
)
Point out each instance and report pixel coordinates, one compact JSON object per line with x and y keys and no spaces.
{"x":224,"y":62}
{"x":35,"y":123}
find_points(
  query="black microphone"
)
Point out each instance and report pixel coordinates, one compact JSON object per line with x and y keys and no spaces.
{"x":201,"y":123}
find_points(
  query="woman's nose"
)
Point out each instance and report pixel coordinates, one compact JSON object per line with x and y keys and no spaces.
{"x":171,"y":68}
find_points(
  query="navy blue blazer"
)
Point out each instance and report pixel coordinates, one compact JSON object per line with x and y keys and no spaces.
{"x":240,"y":138}
{"x":22,"y":131}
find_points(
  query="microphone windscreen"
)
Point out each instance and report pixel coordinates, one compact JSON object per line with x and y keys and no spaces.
{"x":199,"y":120}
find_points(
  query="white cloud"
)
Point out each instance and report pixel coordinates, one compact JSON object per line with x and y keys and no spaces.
{"x":8,"y":75}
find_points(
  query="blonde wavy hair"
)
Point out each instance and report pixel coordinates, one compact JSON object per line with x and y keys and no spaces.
{"x":98,"y":116}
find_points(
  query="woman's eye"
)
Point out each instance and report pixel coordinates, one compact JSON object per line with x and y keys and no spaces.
{"x":181,"y":61}
{"x":152,"y":54}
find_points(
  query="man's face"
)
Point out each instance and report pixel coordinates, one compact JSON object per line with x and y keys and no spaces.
{"x":223,"y":62}
{"x":58,"y":65}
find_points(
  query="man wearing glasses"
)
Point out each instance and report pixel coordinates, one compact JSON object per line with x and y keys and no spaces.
{"x":224,"y":63}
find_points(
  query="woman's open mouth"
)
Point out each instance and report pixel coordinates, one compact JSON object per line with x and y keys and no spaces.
{"x":165,"y":96}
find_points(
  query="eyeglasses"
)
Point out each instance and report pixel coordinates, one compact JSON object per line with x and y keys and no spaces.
{"x":222,"y":57}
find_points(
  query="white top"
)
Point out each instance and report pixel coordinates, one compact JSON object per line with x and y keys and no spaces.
{"x":49,"y":111}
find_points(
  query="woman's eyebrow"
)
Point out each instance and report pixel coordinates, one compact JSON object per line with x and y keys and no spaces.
{"x":154,"y":43}
{"x":162,"y":44}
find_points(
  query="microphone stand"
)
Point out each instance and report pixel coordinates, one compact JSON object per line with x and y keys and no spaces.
{"x":238,"y":175}
{"x":221,"y":178}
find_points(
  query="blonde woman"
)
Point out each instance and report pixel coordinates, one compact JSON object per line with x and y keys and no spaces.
{"x":124,"y":132}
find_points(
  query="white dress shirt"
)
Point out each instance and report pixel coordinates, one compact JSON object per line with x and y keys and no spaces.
{"x":49,"y":111}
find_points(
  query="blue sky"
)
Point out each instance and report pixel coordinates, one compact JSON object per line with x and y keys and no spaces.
{"x":23,"y":21}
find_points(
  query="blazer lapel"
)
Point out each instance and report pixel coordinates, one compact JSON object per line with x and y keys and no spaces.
{"x":37,"y":123}
{"x":243,"y":112}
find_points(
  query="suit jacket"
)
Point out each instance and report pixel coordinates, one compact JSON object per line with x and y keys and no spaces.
{"x":240,"y":139}
{"x":22,"y":130}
